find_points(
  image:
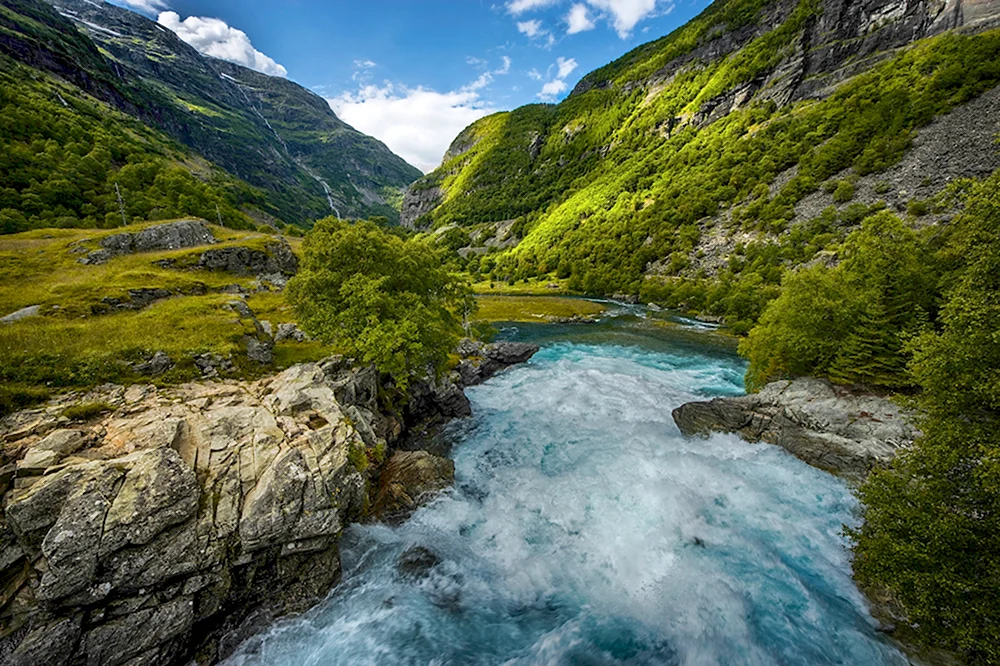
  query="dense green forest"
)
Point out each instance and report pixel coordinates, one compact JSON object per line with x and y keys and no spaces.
{"x":64,"y":153}
{"x":919,"y":310}
{"x":621,"y":179}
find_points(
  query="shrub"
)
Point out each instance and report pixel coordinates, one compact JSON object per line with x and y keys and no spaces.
{"x":85,"y":411}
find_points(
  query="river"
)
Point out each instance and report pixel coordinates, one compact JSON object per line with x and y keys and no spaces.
{"x":584,"y":529}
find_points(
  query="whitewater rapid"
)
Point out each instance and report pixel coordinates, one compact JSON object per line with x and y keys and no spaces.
{"x":584,"y":529}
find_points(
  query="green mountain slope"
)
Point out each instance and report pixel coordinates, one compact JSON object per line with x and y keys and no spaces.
{"x":750,"y":139}
{"x":268,"y":132}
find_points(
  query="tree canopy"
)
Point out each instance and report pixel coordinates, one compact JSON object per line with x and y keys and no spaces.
{"x":380,"y":298}
{"x":931,"y":532}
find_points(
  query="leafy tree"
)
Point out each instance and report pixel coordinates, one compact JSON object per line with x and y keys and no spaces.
{"x":378,"y":297}
{"x":849,"y":322}
{"x":931,"y":531}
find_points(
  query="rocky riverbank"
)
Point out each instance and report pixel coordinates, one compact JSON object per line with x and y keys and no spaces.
{"x":147,"y":525}
{"x":835,"y":428}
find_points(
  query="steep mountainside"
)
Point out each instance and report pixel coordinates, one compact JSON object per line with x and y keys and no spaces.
{"x":269,"y":132}
{"x":751,"y":138}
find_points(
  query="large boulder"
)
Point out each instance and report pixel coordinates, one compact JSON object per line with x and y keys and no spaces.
{"x":835,"y":428}
{"x":184,"y":517}
{"x":170,"y":236}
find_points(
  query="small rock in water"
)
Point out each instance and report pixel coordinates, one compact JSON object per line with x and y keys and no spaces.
{"x":417,"y":562}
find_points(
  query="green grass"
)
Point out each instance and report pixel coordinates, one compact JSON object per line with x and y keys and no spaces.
{"x":40,"y":268}
{"x":85,"y":411}
{"x":534,"y":308}
{"x":69,"y":346}
{"x":533,"y":287}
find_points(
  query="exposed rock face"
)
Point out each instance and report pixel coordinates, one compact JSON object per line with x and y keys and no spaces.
{"x":828,"y":426}
{"x":137,"y":300}
{"x":275,"y":261}
{"x":289,"y":331}
{"x":155,"y":366}
{"x":182,"y":521}
{"x":482,"y":361}
{"x":418,"y":202}
{"x":171,"y":236}
{"x":171,"y":528}
{"x":409,"y":479}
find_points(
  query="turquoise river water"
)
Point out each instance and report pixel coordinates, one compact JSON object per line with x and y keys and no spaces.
{"x":584,"y":529}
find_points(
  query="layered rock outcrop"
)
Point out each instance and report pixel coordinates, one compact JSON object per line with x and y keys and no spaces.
{"x":170,"y":236}
{"x":276,"y":259}
{"x":175,"y":522}
{"x":832,"y":427}
{"x":184,"y":518}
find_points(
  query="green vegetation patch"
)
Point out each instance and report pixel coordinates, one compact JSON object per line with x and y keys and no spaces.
{"x":534,"y":308}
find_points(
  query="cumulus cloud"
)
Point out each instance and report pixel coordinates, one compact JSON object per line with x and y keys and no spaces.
{"x":624,"y":14}
{"x":532,"y":28}
{"x":566,"y":67}
{"x":578,"y":20}
{"x":552,"y":88}
{"x":417,"y":124}
{"x":557,"y":85}
{"x":516,"y":7}
{"x":506,"y":66}
{"x":216,"y":38}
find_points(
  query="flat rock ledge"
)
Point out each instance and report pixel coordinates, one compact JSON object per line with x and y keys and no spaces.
{"x":834,"y":428}
{"x":182,"y":520}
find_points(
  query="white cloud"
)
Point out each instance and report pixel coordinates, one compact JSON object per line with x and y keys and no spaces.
{"x":556,"y":86}
{"x":624,"y":14}
{"x":566,"y":67}
{"x":516,"y":7}
{"x":364,"y":64}
{"x":553,"y":88}
{"x":216,"y":38}
{"x":532,"y":28}
{"x":535,"y":74}
{"x":416,"y":123}
{"x":578,"y":20}
{"x":506,"y":66}
{"x":484,"y":80}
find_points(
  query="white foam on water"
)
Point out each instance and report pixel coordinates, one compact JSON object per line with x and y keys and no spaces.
{"x":584,"y":529}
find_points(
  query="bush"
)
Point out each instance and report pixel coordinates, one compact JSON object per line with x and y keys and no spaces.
{"x":15,"y":397}
{"x":844,"y":192}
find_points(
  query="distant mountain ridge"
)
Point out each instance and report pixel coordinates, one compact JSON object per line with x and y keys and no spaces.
{"x":267,"y":131}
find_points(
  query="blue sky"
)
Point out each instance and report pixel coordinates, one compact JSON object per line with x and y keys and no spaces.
{"x":414,"y":73}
